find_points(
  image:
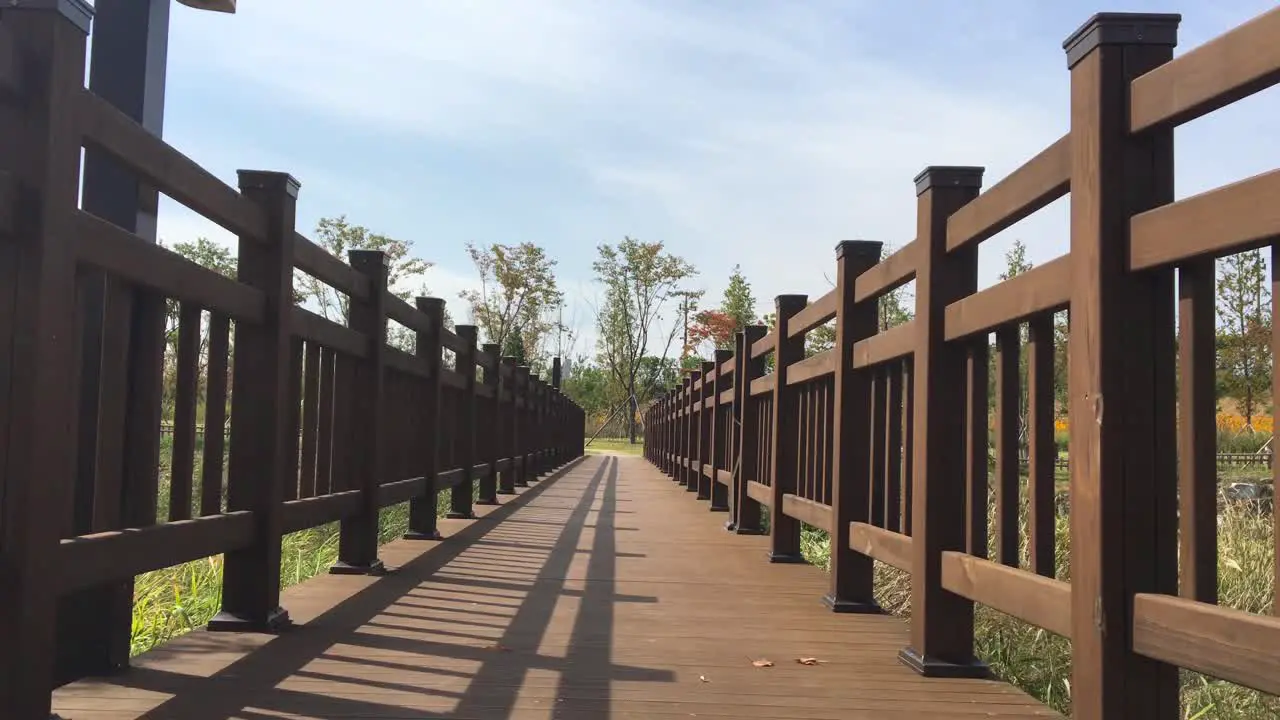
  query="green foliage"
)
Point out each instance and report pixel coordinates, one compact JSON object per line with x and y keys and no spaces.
{"x":639,"y":279}
{"x":896,"y":305}
{"x":738,"y":303}
{"x":405,"y":273}
{"x":1244,"y":332}
{"x":518,"y":293}
{"x":513,"y":346}
{"x":212,"y":256}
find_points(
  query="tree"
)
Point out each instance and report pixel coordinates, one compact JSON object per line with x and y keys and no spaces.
{"x":639,"y":279}
{"x":209,"y":255}
{"x":1244,"y":316}
{"x":738,"y":303}
{"x":712,"y":326}
{"x":518,"y":291}
{"x":405,"y":273}
{"x":1016,"y":263}
{"x":894,"y":308}
{"x":513,"y":346}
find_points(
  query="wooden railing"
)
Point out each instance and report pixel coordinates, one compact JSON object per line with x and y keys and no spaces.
{"x":327,"y":422}
{"x":883,"y":439}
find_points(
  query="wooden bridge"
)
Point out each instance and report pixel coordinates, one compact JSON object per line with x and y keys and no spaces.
{"x":590,"y":595}
{"x":564,"y":587}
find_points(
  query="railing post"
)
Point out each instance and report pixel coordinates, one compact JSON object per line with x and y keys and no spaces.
{"x":1123,"y":463}
{"x":747,"y":513}
{"x":488,"y":447}
{"x":507,"y":426}
{"x":784,"y":530}
{"x":260,"y":378}
{"x":423,"y":510}
{"x":540,"y":425}
{"x":941,"y":622}
{"x":705,"y":420}
{"x":40,"y":152}
{"x":852,"y":573}
{"x":358,"y":537}
{"x":521,"y":403}
{"x":460,"y":495}
{"x":558,"y":456}
{"x":720,"y":435}
{"x":690,"y":431}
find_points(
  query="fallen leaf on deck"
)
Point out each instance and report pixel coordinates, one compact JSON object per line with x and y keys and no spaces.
{"x":810,"y":661}
{"x":499,"y":648}
{"x":703,"y":678}
{"x":762,"y":663}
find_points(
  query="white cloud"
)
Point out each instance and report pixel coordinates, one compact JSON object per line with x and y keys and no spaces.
{"x":758,"y":133}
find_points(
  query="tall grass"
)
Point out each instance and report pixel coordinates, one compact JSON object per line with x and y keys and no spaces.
{"x":1039,"y":662}
{"x":173,"y":601}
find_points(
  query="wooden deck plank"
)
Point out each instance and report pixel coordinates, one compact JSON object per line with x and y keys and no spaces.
{"x":606,"y":592}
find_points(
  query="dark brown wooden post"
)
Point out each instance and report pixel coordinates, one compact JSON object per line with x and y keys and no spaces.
{"x":706,"y":418}
{"x":1123,"y":499}
{"x":251,"y":576}
{"x":423,"y":509}
{"x":507,"y":426}
{"x":941,"y":622}
{"x":558,"y":456}
{"x":720,"y":419}
{"x":747,"y":512}
{"x":540,"y":426}
{"x":691,"y":425}
{"x":488,"y":446}
{"x":358,"y":538}
{"x":460,"y":496}
{"x":521,"y":403}
{"x":40,"y":151}
{"x":852,"y":573}
{"x":783,"y":529}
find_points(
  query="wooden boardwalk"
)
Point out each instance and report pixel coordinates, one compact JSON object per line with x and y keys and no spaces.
{"x":601,"y":592}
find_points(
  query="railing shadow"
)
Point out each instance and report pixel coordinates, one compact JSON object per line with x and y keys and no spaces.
{"x":468,"y":629}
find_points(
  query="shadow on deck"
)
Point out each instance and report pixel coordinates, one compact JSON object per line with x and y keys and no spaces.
{"x":601,"y":592}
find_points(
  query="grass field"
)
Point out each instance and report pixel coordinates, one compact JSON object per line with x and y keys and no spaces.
{"x":615,"y":445}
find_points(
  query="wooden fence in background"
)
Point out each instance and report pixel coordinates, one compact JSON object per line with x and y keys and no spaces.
{"x":326,"y":421}
{"x":883,"y":440}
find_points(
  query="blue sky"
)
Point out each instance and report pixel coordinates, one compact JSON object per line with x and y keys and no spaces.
{"x":749,"y":131}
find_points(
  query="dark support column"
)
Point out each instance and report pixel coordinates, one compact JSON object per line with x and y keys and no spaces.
{"x":692,"y":431}
{"x":423,"y":510}
{"x":358,"y":538}
{"x":122,"y":335}
{"x":747,"y":512}
{"x":460,"y":496}
{"x":783,"y":529}
{"x":486,"y":442}
{"x":40,"y":155}
{"x":520,"y":414}
{"x":507,"y":427}
{"x":1124,"y":513}
{"x":705,"y":421}
{"x":520,"y":453}
{"x":941,"y":622}
{"x":259,"y":408}
{"x":721,"y":420}
{"x":852,"y":573}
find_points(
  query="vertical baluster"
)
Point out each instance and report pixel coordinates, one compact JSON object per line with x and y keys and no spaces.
{"x":1008,"y":468}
